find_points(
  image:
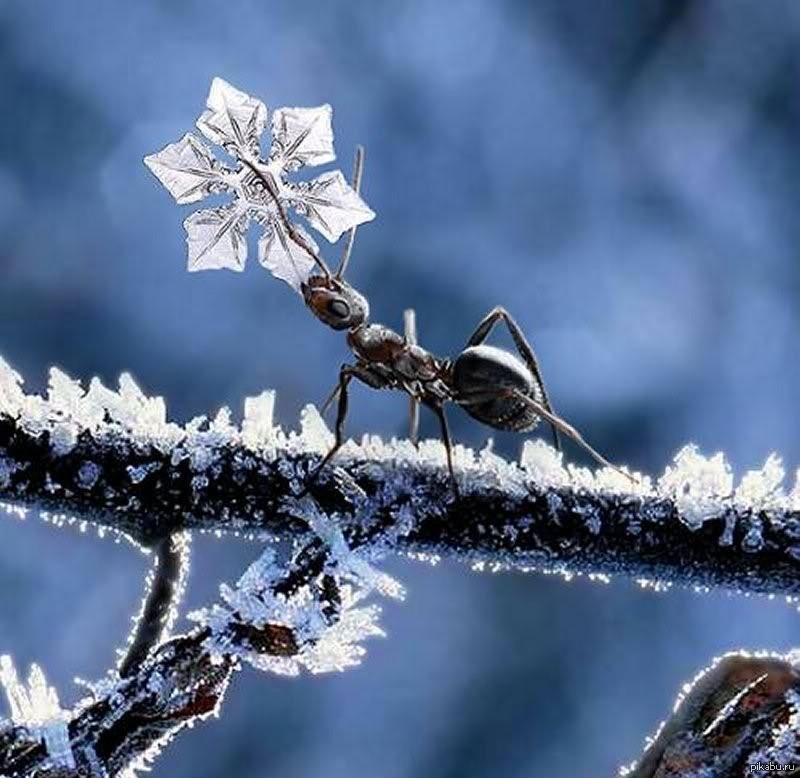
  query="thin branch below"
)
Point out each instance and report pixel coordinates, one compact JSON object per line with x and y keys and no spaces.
{"x":165,"y":585}
{"x":112,"y":459}
{"x":127,"y":720}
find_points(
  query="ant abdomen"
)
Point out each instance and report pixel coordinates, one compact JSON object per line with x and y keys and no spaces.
{"x":480,"y":373}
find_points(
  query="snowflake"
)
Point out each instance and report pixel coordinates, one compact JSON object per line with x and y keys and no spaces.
{"x":262,"y":191}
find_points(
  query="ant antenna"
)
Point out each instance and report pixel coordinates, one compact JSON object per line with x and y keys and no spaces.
{"x":358,"y":169}
{"x":287,"y":224}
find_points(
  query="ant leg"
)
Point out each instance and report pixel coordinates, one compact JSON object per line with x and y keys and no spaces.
{"x":410,"y":322}
{"x":448,"y":444}
{"x":346,"y":375}
{"x":360,"y":372}
{"x":331,"y":397}
{"x":523,"y":347}
{"x":288,"y":225}
{"x":413,"y":420}
{"x":567,"y":429}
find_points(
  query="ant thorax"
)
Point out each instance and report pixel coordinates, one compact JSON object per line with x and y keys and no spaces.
{"x":376,"y":344}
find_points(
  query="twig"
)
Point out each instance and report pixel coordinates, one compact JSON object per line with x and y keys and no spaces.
{"x":737,"y":715}
{"x":165,"y":587}
{"x":505,"y":516}
{"x":128,"y":721}
{"x":114,"y":460}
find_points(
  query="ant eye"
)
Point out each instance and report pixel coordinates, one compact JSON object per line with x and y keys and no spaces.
{"x":339,"y":309}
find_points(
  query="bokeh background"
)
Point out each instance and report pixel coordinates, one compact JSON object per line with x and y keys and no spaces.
{"x":623,"y":176}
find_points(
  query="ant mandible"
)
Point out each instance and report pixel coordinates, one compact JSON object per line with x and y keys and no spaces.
{"x":498,"y":388}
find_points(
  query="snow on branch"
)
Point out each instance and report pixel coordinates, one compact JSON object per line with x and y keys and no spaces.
{"x":113,"y":459}
{"x":35,"y":708}
{"x":301,"y":612}
{"x":739,"y":717}
{"x":123,"y":724}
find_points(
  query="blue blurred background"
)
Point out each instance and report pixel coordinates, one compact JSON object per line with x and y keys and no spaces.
{"x":623,"y":176}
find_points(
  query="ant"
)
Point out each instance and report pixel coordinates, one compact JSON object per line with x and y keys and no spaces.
{"x":498,"y":388}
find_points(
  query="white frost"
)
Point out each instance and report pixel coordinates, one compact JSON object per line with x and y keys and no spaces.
{"x":257,"y":427}
{"x":314,"y":431}
{"x":700,"y":486}
{"x":324,"y":644}
{"x":543,"y":463}
{"x":762,"y":489}
{"x":349,"y":564}
{"x":11,"y":394}
{"x":35,"y":706}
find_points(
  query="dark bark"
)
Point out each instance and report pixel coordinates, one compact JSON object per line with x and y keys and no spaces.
{"x":162,"y":598}
{"x":727,"y":722}
{"x":180,"y":682}
{"x":570,"y":529}
{"x":404,"y":507}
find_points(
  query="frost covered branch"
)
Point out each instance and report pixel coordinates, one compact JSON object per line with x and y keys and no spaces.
{"x":282,"y":616}
{"x":164,"y":589}
{"x":741,"y":713}
{"x":113,"y":459}
{"x":125,"y":723}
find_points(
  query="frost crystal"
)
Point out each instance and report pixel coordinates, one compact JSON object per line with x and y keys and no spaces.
{"x":315,"y":432}
{"x":699,"y":486}
{"x":762,"y":489}
{"x":36,"y":707}
{"x":543,"y":463}
{"x":350,"y":564}
{"x":260,"y":186}
{"x":11,"y":394}
{"x":795,"y":495}
{"x":324,"y":644}
{"x":258,"y":427}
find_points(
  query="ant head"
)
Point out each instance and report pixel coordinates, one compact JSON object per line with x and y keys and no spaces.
{"x":335,"y":302}
{"x":330,"y":298}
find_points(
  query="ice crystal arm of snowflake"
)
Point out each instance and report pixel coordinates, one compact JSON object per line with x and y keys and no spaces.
{"x":217,"y":238}
{"x":302,"y":136}
{"x":330,"y":204}
{"x":284,"y":257}
{"x":187,"y":169}
{"x":233,"y":120}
